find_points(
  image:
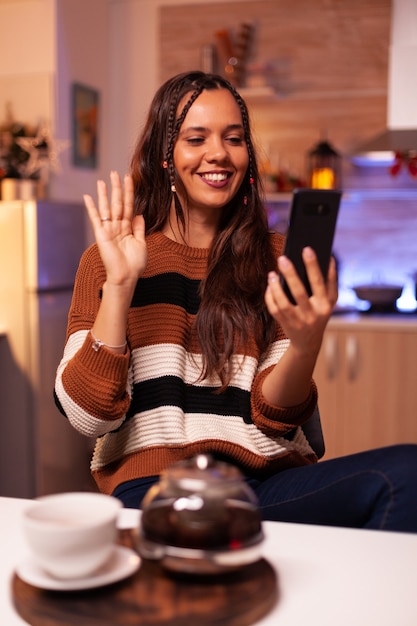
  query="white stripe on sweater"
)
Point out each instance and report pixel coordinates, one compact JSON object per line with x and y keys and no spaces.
{"x":82,"y":421}
{"x":169,"y":426}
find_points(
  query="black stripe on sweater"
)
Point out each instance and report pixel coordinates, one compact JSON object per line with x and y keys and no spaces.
{"x":172,"y":391}
{"x":168,"y":288}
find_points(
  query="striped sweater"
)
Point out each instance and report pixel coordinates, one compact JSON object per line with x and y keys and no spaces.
{"x":148,"y":408}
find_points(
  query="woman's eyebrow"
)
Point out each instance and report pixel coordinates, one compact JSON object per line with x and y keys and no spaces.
{"x":202,"y":129}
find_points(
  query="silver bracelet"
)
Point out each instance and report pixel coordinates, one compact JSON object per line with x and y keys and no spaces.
{"x":97,"y":344}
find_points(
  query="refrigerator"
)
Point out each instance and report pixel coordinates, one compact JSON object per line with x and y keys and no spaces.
{"x":41,"y":243}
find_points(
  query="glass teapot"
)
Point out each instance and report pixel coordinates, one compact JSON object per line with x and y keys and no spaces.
{"x":201,"y":517}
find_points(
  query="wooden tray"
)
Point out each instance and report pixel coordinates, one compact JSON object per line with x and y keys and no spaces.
{"x":154,"y":597}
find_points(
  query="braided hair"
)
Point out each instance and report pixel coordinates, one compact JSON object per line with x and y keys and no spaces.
{"x":232,"y":311}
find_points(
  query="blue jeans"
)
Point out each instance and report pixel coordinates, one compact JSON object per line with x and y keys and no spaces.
{"x":374,"y":489}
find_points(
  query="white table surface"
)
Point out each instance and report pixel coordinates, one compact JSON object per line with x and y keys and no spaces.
{"x":327,"y":576}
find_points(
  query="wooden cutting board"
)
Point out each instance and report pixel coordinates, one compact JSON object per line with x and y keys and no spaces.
{"x":154,"y":597}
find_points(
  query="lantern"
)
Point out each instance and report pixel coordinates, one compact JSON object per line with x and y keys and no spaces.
{"x":324,"y":167}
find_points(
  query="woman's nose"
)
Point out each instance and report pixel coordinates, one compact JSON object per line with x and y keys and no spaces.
{"x":216,"y":150}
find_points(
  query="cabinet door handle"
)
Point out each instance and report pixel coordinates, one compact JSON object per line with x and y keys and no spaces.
{"x":331,"y":354}
{"x":352,"y":357}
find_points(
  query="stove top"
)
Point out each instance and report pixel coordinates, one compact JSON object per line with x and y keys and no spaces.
{"x":375,"y":310}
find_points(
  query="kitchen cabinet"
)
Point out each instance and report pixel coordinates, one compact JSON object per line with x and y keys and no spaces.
{"x":366,"y":374}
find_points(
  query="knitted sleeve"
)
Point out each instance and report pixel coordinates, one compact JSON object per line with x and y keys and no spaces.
{"x":91,"y":386}
{"x":271,"y":419}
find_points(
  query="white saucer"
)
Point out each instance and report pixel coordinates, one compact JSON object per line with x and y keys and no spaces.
{"x":123,"y":563}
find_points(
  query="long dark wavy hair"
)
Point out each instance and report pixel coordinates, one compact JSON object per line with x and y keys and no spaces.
{"x":232,"y":310}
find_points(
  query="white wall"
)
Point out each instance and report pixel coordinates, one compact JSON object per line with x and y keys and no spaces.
{"x":402,"y":75}
{"x":27,"y":59}
{"x":82,"y":36}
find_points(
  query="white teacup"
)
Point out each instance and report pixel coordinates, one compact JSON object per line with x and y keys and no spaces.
{"x":71,"y":534}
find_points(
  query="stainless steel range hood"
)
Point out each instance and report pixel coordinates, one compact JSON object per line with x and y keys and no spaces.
{"x":401,"y":133}
{"x":380,"y":150}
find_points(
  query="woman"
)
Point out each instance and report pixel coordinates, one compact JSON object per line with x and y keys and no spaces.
{"x":181,"y":341}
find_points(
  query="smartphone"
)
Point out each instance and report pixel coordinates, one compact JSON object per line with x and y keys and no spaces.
{"x":312,"y":222}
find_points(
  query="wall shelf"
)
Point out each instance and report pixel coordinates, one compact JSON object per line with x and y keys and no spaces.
{"x":259,"y":95}
{"x":279,"y":197}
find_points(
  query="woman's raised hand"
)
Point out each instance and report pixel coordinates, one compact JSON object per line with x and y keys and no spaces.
{"x":120,"y":236}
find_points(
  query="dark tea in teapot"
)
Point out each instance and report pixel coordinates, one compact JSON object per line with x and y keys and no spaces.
{"x":201,"y":517}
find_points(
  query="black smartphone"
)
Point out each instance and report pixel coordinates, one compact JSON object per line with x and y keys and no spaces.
{"x":312,"y":222}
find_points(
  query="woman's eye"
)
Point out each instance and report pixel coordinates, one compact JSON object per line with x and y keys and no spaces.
{"x":195,"y":141}
{"x":236,"y":141}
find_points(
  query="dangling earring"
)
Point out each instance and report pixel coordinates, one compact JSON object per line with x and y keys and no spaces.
{"x":252,"y":182}
{"x":165,"y":166}
{"x":172,"y":181}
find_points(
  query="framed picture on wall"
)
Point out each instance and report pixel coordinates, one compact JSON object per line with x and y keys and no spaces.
{"x":85,"y":115}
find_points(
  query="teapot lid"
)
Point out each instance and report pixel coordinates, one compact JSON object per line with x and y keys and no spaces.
{"x":200,"y":472}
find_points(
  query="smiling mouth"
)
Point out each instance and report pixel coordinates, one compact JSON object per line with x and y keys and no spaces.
{"x":215,"y":177}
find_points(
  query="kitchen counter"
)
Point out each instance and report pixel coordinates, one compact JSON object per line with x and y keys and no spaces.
{"x":403,"y":322}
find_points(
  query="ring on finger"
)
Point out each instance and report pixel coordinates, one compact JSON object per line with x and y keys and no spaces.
{"x":106,"y":219}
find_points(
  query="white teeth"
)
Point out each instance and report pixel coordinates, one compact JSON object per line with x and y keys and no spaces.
{"x":215,"y":177}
